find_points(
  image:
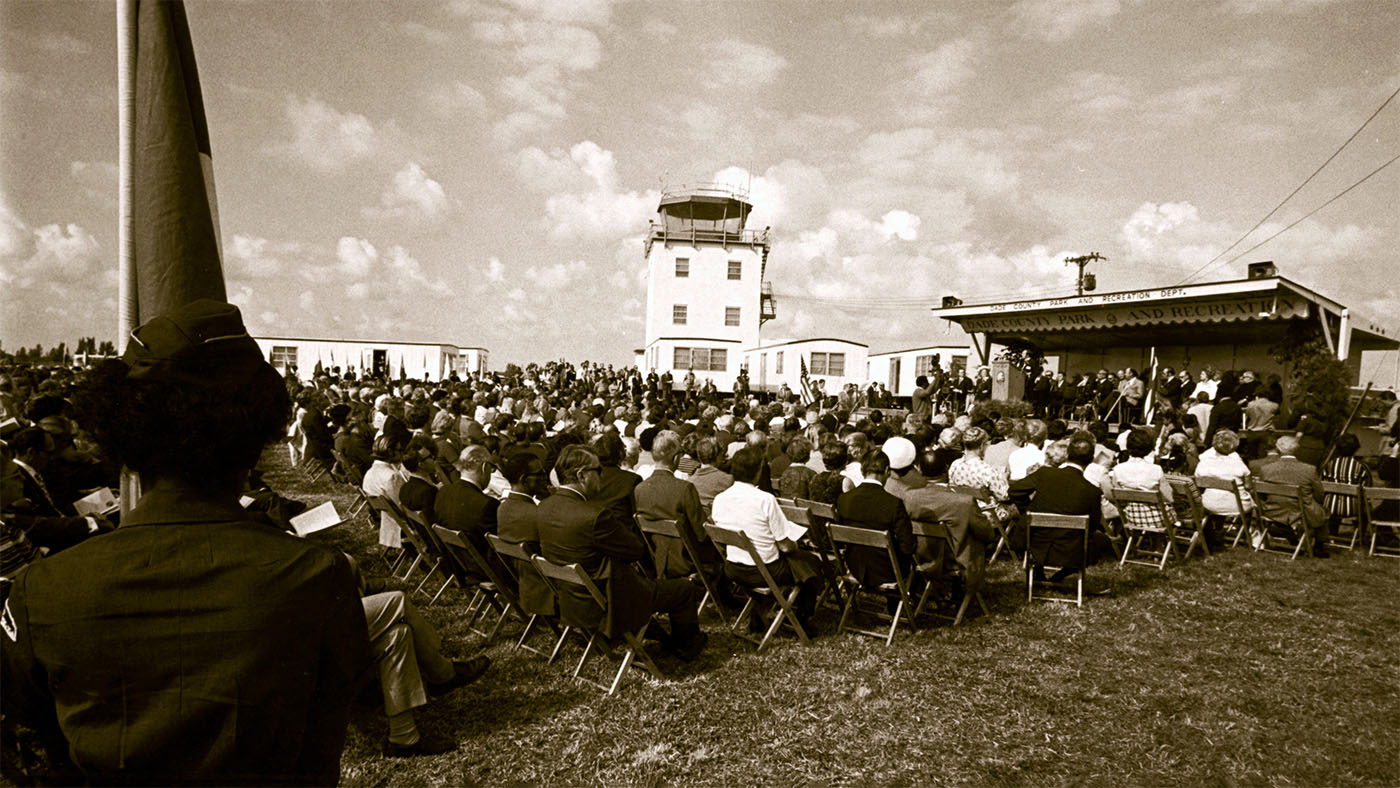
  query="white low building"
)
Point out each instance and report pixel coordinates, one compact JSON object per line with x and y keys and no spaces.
{"x":413,"y":360}
{"x":899,"y":369}
{"x":834,"y":361}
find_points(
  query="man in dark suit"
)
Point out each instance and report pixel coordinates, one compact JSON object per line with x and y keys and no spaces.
{"x":868,"y":505}
{"x":1308,"y":514}
{"x":517,"y":521}
{"x":575,"y":529}
{"x":1064,"y":490}
{"x":463,"y":506}
{"x":664,"y":497}
{"x":615,"y":486}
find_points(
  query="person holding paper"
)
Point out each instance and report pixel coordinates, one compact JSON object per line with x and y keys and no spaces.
{"x":745,"y":508}
{"x":193,"y":645}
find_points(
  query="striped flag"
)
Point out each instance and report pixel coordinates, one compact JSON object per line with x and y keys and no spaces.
{"x":176,"y":219}
{"x":808,"y":393}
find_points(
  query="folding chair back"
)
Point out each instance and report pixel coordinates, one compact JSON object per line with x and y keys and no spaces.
{"x":1372,"y":497}
{"x":672,"y":529}
{"x":989,"y":510}
{"x":1339,"y":494}
{"x":515,"y":555}
{"x":494,"y":591}
{"x":1145,"y":513}
{"x":572,"y":575}
{"x":446,"y":562}
{"x":848,"y":536}
{"x":946,"y":549}
{"x":1065,"y":522}
{"x":1292,"y":497}
{"x":787,"y":610}
{"x":1190,"y":512}
{"x":1242,"y":520}
{"x":406,"y":534}
{"x":828,"y":559}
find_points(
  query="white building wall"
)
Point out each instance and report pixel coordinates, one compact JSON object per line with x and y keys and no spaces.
{"x":764,"y":374}
{"x":904,"y":365}
{"x":418,"y":361}
{"x":706,"y":292}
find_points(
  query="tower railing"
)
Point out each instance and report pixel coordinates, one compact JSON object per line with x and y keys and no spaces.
{"x":694,"y":234}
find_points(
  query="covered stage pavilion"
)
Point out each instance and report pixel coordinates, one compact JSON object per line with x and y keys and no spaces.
{"x":1222,"y":325}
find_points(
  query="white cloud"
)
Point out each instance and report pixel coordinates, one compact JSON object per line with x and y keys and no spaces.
{"x":358,"y":291}
{"x":900,"y":224}
{"x":325,"y":137}
{"x":495,"y":270}
{"x":1150,"y":222}
{"x":943,"y":70}
{"x":307,"y":301}
{"x":740,"y":63}
{"x":588,"y":202}
{"x":557,"y":276}
{"x":253,"y":257}
{"x":356,"y":255}
{"x":408,"y":276}
{"x":411,"y":193}
{"x":97,"y":179}
{"x":62,"y":253}
{"x":1058,"y":20}
{"x":425,"y":33}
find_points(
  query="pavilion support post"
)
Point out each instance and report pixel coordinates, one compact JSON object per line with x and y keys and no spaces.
{"x":1326,"y":329}
{"x":1344,"y":336}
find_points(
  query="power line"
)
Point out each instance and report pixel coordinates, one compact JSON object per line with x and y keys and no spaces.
{"x":1313,"y":211}
{"x":1276,"y":208}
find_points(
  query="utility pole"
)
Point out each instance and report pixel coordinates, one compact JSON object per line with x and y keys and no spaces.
{"x":1084,"y":281}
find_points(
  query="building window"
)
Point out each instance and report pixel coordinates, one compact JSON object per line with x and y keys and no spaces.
{"x":923,"y":365}
{"x":701,"y":359}
{"x":736,"y":269}
{"x":731,"y":316}
{"x":682,"y":267}
{"x":833,"y":364}
{"x":283,"y":357}
{"x":678,"y":314}
{"x":778,"y":363}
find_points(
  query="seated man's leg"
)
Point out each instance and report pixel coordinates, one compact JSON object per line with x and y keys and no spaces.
{"x":678,"y":599}
{"x":393,"y":642}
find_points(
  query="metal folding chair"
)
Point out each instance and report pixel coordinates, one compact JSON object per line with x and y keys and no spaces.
{"x":817,"y":517}
{"x":786,"y":600}
{"x":1191,"y":514}
{"x":492,"y":591}
{"x":671,"y":529}
{"x":945,"y":549}
{"x":510,"y":552}
{"x":1274,"y":492}
{"x":1146,"y":514}
{"x":1336,"y":490}
{"x":1243,"y":520}
{"x":1374,"y":496}
{"x":634,"y":655}
{"x":904,"y":609}
{"x":1069,"y":522}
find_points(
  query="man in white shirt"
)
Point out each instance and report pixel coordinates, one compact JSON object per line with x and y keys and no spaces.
{"x":746,"y":509}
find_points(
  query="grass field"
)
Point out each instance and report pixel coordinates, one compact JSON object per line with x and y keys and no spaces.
{"x":1242,"y":669}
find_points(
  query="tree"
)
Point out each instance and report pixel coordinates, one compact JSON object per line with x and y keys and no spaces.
{"x":1319,"y":383}
{"x":107,"y":349}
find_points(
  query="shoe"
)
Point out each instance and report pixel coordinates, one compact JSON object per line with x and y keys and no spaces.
{"x":656,"y":632}
{"x":1097,"y":590}
{"x":426,"y":745}
{"x":464,"y":674}
{"x":690,"y":648}
{"x":1321,"y":552}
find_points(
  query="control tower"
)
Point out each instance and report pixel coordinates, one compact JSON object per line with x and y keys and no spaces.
{"x":706,"y":296}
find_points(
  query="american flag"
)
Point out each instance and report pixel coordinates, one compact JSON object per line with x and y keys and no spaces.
{"x":808,"y":393}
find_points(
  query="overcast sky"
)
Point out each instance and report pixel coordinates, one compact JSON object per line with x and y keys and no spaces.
{"x":482,"y":173}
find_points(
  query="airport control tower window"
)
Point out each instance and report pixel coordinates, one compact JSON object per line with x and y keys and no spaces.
{"x":731,"y":316}
{"x":682,"y":267}
{"x":736,"y":269}
{"x":678,"y":314}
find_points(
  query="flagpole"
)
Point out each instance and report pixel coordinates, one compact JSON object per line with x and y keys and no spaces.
{"x":128,"y":316}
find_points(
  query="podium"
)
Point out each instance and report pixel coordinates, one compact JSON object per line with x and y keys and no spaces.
{"x":1008,"y":381}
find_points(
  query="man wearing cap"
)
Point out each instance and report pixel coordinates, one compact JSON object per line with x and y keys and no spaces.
{"x":194,"y":644}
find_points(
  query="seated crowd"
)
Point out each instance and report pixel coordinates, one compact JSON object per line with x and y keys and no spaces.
{"x":563,"y":460}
